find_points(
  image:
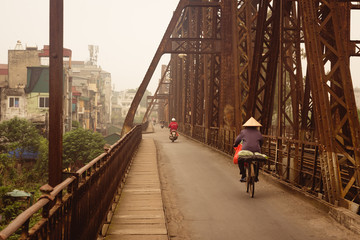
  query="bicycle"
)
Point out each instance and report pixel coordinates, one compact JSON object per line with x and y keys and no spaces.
{"x":252,"y":170}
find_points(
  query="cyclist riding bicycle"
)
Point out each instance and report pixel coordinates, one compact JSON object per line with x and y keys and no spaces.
{"x":251,"y":140}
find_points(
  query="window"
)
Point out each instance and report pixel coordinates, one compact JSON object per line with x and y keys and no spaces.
{"x":14,"y":102}
{"x":43,"y":102}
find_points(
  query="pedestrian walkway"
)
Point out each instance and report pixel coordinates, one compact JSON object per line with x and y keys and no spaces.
{"x":140,"y":213}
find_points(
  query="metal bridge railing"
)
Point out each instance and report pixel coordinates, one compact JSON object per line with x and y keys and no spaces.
{"x":294,"y":161}
{"x":290,"y":160}
{"x":77,"y":207}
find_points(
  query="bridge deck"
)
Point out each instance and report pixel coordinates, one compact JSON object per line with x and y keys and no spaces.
{"x":206,"y":198}
{"x":139,"y":213}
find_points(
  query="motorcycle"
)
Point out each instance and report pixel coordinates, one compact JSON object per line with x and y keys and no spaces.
{"x":173,"y":135}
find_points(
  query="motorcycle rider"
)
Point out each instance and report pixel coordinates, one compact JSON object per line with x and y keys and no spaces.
{"x":173,"y":125}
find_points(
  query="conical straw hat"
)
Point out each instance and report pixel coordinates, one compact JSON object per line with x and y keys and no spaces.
{"x":252,"y":123}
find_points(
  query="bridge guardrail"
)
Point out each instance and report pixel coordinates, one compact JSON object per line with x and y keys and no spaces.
{"x":290,"y":160}
{"x":145,"y":126}
{"x":294,"y":161}
{"x":77,"y":207}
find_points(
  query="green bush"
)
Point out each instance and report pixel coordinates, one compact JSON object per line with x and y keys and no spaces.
{"x":81,"y":146}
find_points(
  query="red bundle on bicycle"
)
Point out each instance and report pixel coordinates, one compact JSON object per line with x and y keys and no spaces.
{"x":237,"y":150}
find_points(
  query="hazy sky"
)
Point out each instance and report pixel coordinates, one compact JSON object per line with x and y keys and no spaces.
{"x":127,"y":32}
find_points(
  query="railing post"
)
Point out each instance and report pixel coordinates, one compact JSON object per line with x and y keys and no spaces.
{"x":268,"y":152}
{"x":301,"y":163}
{"x":74,"y":216}
{"x":288,"y":160}
{"x":315,"y":168}
{"x":25,"y":230}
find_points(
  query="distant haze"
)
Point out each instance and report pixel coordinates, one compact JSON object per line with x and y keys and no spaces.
{"x":127,"y":33}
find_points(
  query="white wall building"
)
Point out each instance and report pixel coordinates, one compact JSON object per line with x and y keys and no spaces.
{"x":124,"y":100}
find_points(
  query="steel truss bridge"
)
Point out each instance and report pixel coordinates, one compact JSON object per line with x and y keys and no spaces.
{"x":285,"y":62}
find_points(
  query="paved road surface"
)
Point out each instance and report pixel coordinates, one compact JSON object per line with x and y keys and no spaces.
{"x":205,"y":201}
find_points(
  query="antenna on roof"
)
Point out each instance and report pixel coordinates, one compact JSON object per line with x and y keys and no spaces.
{"x":94,"y":50}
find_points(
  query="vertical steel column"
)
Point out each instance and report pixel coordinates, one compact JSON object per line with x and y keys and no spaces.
{"x":199,"y":78}
{"x":326,"y":39}
{"x":347,"y":123}
{"x":209,"y":27}
{"x":159,"y":90}
{"x":316,"y":75}
{"x":263,"y":71}
{"x":207,"y":102}
{"x":173,"y":92}
{"x":290,"y":90}
{"x":191,"y":111}
{"x":189,"y":72}
{"x":186,"y":89}
{"x":214,"y":65}
{"x":228,"y":63}
{"x":307,"y":113}
{"x":257,"y":58}
{"x":56,"y":92}
{"x":290,"y":71}
{"x":246,"y":23}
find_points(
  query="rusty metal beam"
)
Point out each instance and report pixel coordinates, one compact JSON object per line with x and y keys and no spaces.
{"x":157,"y":94}
{"x":336,"y":119}
{"x":159,"y":52}
{"x":160,"y":96}
{"x":246,"y":23}
{"x":188,"y":44}
{"x":251,"y":62}
{"x":290,"y":68}
{"x":263,"y":71}
{"x":229,"y":69}
{"x":193,"y":45}
{"x":56,"y":92}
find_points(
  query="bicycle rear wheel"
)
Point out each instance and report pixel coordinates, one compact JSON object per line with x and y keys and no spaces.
{"x":252,"y":186}
{"x":251,"y":178}
{"x":247,"y":184}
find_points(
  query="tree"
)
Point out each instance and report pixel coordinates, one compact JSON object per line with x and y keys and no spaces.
{"x":75,"y":124}
{"x":41,"y":166}
{"x":81,"y":146}
{"x":19,"y":135}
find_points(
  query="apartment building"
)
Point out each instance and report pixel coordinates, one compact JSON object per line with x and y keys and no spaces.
{"x":121,"y":103}
{"x":25,"y":88}
{"x":91,"y":96}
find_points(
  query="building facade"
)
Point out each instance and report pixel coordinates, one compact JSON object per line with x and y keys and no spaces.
{"x":121,"y":103}
{"x":24,"y":89}
{"x":91,"y":96}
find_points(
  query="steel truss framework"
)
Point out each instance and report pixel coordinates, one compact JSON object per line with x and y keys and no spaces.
{"x":285,"y":62}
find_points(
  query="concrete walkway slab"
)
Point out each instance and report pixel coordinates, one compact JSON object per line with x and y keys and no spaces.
{"x":140,"y":212}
